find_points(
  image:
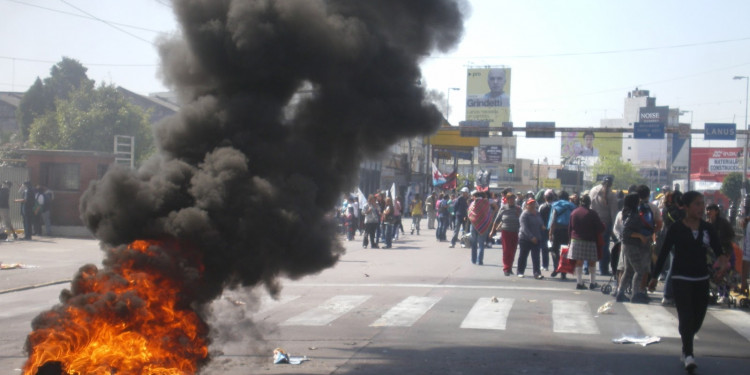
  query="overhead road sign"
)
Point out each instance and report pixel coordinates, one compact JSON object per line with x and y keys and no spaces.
{"x":721,"y":132}
{"x":648,"y":130}
{"x":540,"y":130}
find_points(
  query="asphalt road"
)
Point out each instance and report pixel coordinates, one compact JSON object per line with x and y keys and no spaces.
{"x":418,"y":308}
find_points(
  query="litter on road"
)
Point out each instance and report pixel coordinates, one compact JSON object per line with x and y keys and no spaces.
{"x":281,"y":357}
{"x":607,"y":308}
{"x":642,"y":341}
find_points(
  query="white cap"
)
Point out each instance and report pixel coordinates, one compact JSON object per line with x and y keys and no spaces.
{"x":464,"y":189}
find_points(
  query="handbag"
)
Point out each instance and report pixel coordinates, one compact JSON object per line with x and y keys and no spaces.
{"x":565,"y":265}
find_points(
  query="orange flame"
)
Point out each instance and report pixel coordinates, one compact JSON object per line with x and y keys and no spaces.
{"x":125,"y":320}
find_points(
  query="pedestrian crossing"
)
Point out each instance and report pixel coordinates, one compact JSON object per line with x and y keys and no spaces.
{"x":567,"y":317}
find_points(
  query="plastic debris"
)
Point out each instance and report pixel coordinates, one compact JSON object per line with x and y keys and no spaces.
{"x":281,"y":357}
{"x":14,"y":266}
{"x":494,"y":299}
{"x":642,"y":341}
{"x":607,"y":308}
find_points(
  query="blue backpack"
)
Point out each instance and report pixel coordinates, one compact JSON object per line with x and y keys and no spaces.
{"x":647,"y":219}
{"x":562,"y":216}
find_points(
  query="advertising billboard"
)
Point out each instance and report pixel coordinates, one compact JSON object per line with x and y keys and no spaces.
{"x":590,"y":145}
{"x":714,"y":163}
{"x":488,"y":95}
{"x":490,"y":154}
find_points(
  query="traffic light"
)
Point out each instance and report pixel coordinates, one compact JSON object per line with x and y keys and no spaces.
{"x":511,"y":168}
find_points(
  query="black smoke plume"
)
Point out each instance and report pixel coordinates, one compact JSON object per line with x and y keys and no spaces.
{"x":282,"y":100}
{"x":244,"y":172}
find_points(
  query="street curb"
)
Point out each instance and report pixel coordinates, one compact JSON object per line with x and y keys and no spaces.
{"x":27,"y":287}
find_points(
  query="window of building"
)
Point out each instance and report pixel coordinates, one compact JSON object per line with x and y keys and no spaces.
{"x":61,"y":176}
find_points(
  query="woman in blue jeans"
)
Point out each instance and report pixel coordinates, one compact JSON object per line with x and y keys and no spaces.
{"x":388,"y":221}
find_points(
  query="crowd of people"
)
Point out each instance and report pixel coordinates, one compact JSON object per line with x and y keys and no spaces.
{"x":634,"y":239}
{"x":35,"y":203}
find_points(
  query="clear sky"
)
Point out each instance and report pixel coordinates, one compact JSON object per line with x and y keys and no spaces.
{"x":573,"y":62}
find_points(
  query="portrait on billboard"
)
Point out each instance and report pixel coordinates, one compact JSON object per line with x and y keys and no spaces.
{"x":488,"y":95}
{"x":490,"y":154}
{"x":589,"y":145}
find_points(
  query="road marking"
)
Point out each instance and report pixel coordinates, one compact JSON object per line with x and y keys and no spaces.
{"x":267,"y":302}
{"x":430,"y":286}
{"x":654,"y":320}
{"x":573,"y":317}
{"x":326,"y":313}
{"x":486,"y":314}
{"x":407,"y":312}
{"x":735,"y":319}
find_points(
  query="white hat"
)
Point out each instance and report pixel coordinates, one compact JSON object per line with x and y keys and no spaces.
{"x":464,"y":189}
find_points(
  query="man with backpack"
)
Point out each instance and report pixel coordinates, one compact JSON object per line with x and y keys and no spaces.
{"x":558,"y":228}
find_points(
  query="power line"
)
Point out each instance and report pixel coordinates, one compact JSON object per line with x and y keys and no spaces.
{"x":106,"y":22}
{"x":84,"y":16}
{"x":592,"y":53}
{"x":84,"y":64}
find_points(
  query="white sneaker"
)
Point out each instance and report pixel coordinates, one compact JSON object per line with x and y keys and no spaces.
{"x":690,"y":363}
{"x":520,"y":276}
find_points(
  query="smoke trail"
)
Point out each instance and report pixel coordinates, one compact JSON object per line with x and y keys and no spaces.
{"x":239,"y":174}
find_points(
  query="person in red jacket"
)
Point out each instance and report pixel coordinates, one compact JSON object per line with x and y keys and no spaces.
{"x":584,"y":230}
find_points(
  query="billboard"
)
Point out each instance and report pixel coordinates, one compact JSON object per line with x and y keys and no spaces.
{"x":589,"y":144}
{"x":490,"y":154}
{"x":488,"y":95}
{"x":714,"y":163}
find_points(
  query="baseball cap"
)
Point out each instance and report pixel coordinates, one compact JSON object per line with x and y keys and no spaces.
{"x":464,"y":189}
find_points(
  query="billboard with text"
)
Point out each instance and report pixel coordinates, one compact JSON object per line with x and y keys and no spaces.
{"x":589,"y":144}
{"x":714,"y":163}
{"x":488,"y":95}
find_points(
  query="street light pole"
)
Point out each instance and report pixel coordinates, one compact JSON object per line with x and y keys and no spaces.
{"x":747,"y":136}
{"x":690,"y":149}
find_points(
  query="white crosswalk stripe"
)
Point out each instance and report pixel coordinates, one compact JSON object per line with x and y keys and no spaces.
{"x":573,"y":317}
{"x":738,"y":320}
{"x":267,"y":303}
{"x":407,"y":312}
{"x":326,"y":313}
{"x":654,"y":320}
{"x":568,"y":316}
{"x":486,"y":314}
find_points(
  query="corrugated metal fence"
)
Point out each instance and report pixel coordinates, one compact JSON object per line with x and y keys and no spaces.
{"x":17,"y":176}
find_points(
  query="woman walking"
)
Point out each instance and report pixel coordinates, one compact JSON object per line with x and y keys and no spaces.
{"x":584,"y":229}
{"x":389,"y":219}
{"x":530,"y":238}
{"x":691,"y":238}
{"x":636,"y":252}
{"x":372,"y":221}
{"x":507,"y":221}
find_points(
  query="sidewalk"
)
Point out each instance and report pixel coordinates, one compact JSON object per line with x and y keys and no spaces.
{"x":44,"y":261}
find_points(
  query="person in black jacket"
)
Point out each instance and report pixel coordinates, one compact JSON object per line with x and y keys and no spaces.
{"x":691,"y":238}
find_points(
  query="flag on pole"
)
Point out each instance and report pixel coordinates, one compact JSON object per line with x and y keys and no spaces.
{"x":361,"y":198}
{"x":437,"y":177}
{"x":393,"y":191}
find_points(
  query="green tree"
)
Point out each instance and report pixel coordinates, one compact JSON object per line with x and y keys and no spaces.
{"x":65,"y":77}
{"x":624,"y":173}
{"x":732,"y":186}
{"x":89,"y":119}
{"x":33,"y":104}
